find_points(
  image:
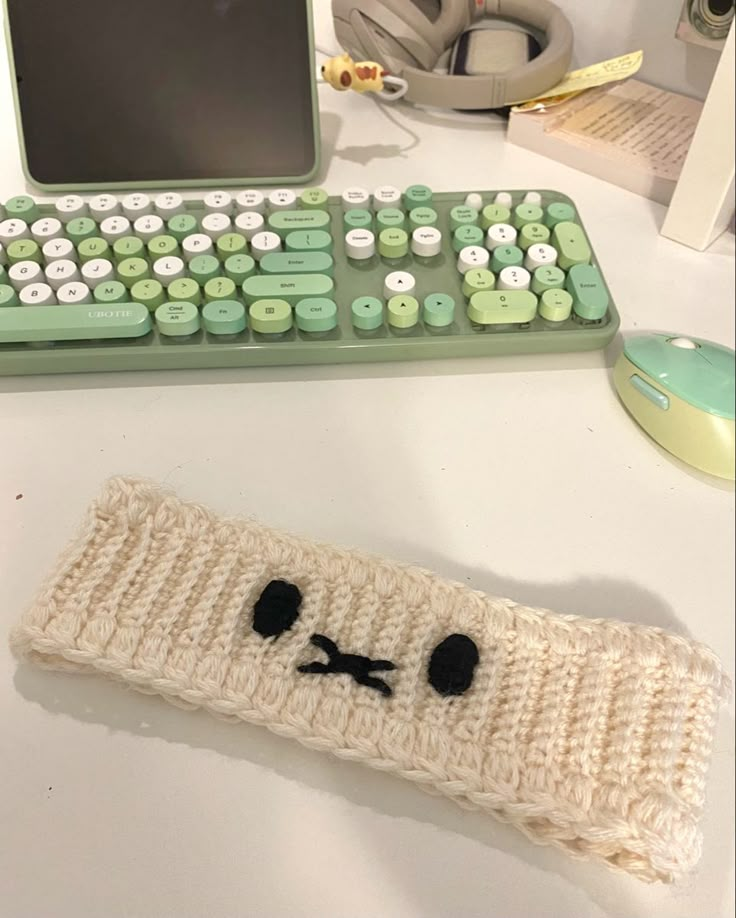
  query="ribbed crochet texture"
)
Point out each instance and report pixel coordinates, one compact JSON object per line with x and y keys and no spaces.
{"x":591,"y":735}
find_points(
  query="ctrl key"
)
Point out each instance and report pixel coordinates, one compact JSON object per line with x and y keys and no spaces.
{"x":177,"y":320}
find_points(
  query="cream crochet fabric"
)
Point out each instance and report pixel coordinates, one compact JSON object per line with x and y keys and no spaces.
{"x":591,"y":735}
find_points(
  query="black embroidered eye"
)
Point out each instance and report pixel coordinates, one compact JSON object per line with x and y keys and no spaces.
{"x":452,"y":665}
{"x":276,"y":609}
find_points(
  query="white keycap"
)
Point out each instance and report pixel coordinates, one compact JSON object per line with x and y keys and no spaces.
{"x":475,"y":201}
{"x":104,"y":205}
{"x":472,"y":256}
{"x":386,"y":196}
{"x":196,"y":244}
{"x":540,"y":255}
{"x":216,"y":224}
{"x":533,"y":197}
{"x":360,"y":244}
{"x":263,"y":243}
{"x":149,"y":226}
{"x":398,"y":282}
{"x":58,"y":249}
{"x":137,"y":205}
{"x":355,"y":197}
{"x":249,"y":223}
{"x":46,"y":228}
{"x":96,"y":271}
{"x":426,"y":241}
{"x":169,"y":204}
{"x":218,"y":202}
{"x":74,"y":294}
{"x":13,"y":229}
{"x":504,"y":199}
{"x":514,"y":279}
{"x":113,"y":228}
{"x":282,"y":199}
{"x":61,"y":272}
{"x":168,"y":269}
{"x":23,"y":273}
{"x":37,"y":295}
{"x":250,"y":200}
{"x":70,"y":207}
{"x":500,"y":234}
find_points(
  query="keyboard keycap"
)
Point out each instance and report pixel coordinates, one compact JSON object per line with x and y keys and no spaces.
{"x":22,"y":207}
{"x":128,"y":247}
{"x":571,"y":244}
{"x":81,"y":228}
{"x":8,"y":296}
{"x":503,"y":307}
{"x":92,"y":248}
{"x":589,"y":294}
{"x":180,"y":226}
{"x":439,"y":310}
{"x":37,"y":295}
{"x":270,"y":316}
{"x":532,"y":234}
{"x":393,"y":243}
{"x":61,"y":272}
{"x":506,"y":256}
{"x":249,"y":223}
{"x":461,"y":215}
{"x":390,"y":218}
{"x":386,"y":196}
{"x":465,"y":236}
{"x":314,"y":199}
{"x":239,"y":268}
{"x":398,"y":283}
{"x":70,"y":207}
{"x":132,"y":270}
{"x":204,"y":268}
{"x":417,"y":196}
{"x":559,"y":213}
{"x":113,"y":228}
{"x":494,"y":213}
{"x":113,"y":292}
{"x":540,"y":255}
{"x":59,"y":250}
{"x":477,"y":280}
{"x":549,"y":278}
{"x":289,"y":287}
{"x":72,"y":323}
{"x":426,"y":241}
{"x":367,"y":313}
{"x":23,"y":273}
{"x":97,"y":271}
{"x":220,"y":288}
{"x":284,"y":221}
{"x":514,"y":279}
{"x":500,"y":234}
{"x":169,"y":204}
{"x":250,"y":200}
{"x":74,"y":294}
{"x":218,"y":202}
{"x":297,"y":263}
{"x":309,"y":241}
{"x":24,"y":250}
{"x":196,"y":244}
{"x":472,"y":256}
{"x":316,"y":315}
{"x":177,"y":320}
{"x":422,"y":216}
{"x":216,"y":225}
{"x":104,"y":205}
{"x":402,"y":311}
{"x":357,"y":219}
{"x":149,"y":226}
{"x":166,"y":270}
{"x":148,"y":292}
{"x":282,"y":199}
{"x":162,"y":246}
{"x":355,"y":199}
{"x":555,"y":305}
{"x":47,"y":228}
{"x":184,"y":290}
{"x":527,"y":213}
{"x":224,"y":317}
{"x":10,"y":230}
{"x":263,"y":243}
{"x":136,"y":205}
{"x":231,"y":244}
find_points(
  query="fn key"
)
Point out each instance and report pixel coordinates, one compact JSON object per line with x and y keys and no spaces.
{"x":73,"y":323}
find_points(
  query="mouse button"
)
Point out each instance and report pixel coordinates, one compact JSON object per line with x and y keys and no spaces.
{"x":650,"y":392}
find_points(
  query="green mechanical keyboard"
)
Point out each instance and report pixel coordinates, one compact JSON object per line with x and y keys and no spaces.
{"x":255,"y":278}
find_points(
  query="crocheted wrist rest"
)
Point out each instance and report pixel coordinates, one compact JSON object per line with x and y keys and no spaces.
{"x":591,"y":735}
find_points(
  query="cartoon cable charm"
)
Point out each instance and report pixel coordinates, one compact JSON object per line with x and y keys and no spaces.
{"x":343,"y":73}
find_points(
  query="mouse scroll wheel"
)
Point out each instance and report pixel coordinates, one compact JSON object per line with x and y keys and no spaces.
{"x":685,"y":343}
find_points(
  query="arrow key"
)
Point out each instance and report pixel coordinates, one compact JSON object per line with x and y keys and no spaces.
{"x":399,"y":283}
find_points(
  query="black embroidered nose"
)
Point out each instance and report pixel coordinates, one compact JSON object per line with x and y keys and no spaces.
{"x":354,"y":665}
{"x":452,"y":665}
{"x":276,"y":609}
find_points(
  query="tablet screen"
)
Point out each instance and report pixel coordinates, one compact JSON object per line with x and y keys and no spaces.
{"x":164,"y":90}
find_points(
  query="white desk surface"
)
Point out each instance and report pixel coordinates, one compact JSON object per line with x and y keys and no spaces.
{"x":520,"y":476}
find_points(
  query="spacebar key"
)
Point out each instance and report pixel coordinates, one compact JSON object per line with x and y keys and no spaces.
{"x":73,"y":323}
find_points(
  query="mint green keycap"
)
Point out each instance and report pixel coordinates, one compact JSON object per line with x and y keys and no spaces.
{"x":284,"y":221}
{"x":8,"y":296}
{"x":80,"y":228}
{"x":367,"y":313}
{"x":476,"y":280}
{"x":439,"y":310}
{"x":231,"y":244}
{"x":555,"y":305}
{"x":357,"y":218}
{"x":184,"y":290}
{"x":220,"y":288}
{"x":163,"y":247}
{"x":314,"y":199}
{"x":270,"y":316}
{"x":177,"y":320}
{"x":224,"y":317}
{"x":547,"y":278}
{"x":113,"y":292}
{"x":132,"y":270}
{"x":287,"y":287}
{"x":494,"y":213}
{"x":417,"y":195}
{"x":527,"y":213}
{"x":181,"y":226}
{"x":203,"y":268}
{"x":24,"y":250}
{"x":506,"y":256}
{"x":74,"y":323}
{"x":393,"y":243}
{"x":297,"y":263}
{"x":422,"y":216}
{"x":501,"y":307}
{"x":390,"y":218}
{"x":402,"y":311}
{"x":559,"y":213}
{"x":149,"y":292}
{"x":22,"y":207}
{"x":309,"y":241}
{"x":128,"y":247}
{"x":239,"y":267}
{"x":462,"y":215}
{"x":589,"y":294}
{"x":94,"y":247}
{"x":531,"y":234}
{"x":467,"y":235}
{"x":571,"y":244}
{"x":316,"y":315}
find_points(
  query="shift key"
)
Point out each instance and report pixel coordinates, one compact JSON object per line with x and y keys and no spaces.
{"x":289,"y":287}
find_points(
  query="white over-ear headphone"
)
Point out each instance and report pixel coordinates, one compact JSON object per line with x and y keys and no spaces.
{"x":408,"y":37}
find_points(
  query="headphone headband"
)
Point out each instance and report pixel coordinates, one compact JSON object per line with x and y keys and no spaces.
{"x":423,"y":41}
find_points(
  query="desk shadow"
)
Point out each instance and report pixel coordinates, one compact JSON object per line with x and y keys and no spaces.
{"x":111,"y":705}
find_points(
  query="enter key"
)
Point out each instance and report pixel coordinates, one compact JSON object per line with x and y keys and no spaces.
{"x":588,"y":291}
